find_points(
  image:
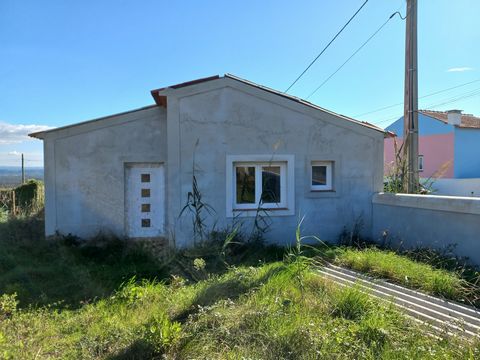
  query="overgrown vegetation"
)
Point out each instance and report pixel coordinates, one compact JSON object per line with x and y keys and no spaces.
{"x":402,"y":270}
{"x":435,"y":271}
{"x":256,"y":312}
{"x":24,"y":200}
{"x":227,"y":298}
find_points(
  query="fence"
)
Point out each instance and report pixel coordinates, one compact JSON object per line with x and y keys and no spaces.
{"x":8,"y":201}
{"x":25,"y":199}
{"x":429,"y":221}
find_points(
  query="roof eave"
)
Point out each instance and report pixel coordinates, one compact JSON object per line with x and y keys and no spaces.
{"x":161,"y":100}
{"x":38,"y":135}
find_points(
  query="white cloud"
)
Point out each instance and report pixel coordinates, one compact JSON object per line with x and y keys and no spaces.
{"x":460,"y":69}
{"x":14,"y":153}
{"x":17,"y":133}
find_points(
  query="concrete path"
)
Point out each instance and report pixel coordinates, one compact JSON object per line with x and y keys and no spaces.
{"x":443,"y":316}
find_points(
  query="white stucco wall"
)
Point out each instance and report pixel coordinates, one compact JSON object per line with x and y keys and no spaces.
{"x":84,"y":170}
{"x":457,"y":187}
{"x":411,"y":221}
{"x":241,"y":120}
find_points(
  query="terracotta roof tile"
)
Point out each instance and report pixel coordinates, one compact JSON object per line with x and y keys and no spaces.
{"x":467,"y":121}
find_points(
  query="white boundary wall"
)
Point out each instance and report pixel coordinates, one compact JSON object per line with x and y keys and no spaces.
{"x":428,"y":221}
{"x":457,"y":187}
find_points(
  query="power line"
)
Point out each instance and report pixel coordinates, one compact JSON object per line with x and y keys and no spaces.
{"x":447,"y":101}
{"x":356,"y":51}
{"x":455,"y":99}
{"x":326,"y":47}
{"x":421,"y":97}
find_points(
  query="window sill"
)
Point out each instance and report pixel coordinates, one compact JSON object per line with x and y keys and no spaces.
{"x":276,"y":211}
{"x":318,"y":194}
{"x":267,"y":209}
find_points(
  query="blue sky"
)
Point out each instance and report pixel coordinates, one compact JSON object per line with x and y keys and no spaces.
{"x":63,"y":62}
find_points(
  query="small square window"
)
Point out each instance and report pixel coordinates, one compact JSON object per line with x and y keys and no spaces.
{"x":145,"y":223}
{"x":145,"y":193}
{"x":145,"y":178}
{"x":145,"y":207}
{"x":322,"y":176}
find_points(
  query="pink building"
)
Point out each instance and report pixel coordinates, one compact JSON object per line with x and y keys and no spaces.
{"x":449,"y":144}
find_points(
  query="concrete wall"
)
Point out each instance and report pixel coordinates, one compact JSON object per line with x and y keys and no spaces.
{"x":84,"y":170}
{"x":457,"y":187}
{"x":229,"y":118}
{"x":429,"y":221}
{"x":467,"y":150}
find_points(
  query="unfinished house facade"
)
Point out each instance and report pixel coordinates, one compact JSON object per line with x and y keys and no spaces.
{"x":243,"y":150}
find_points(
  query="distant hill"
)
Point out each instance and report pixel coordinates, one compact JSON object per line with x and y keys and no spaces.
{"x":11,"y":176}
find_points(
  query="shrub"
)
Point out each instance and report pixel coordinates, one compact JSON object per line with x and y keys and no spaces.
{"x":161,"y":334}
{"x":352,"y":304}
{"x":29,"y":197}
{"x":8,"y":305}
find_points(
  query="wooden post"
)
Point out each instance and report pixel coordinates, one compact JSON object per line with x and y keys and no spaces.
{"x":23,"y":170}
{"x":14,"y":206}
{"x":410,"y":113}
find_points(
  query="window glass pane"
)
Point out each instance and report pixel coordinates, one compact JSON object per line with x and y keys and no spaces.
{"x":145,"y":193}
{"x":145,"y":178}
{"x":245,"y":176}
{"x":271,"y":184}
{"x":319,"y":175}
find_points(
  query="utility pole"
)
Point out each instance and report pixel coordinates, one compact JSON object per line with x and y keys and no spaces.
{"x":410,"y":112}
{"x":23,"y":170}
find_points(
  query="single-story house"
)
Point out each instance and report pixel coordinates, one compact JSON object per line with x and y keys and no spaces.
{"x":131,"y":173}
{"x":449,"y":143}
{"x":448,"y":146}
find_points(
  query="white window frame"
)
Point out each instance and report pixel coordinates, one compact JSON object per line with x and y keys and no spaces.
{"x":421,"y":161}
{"x":287,"y":184}
{"x":329,"y":176}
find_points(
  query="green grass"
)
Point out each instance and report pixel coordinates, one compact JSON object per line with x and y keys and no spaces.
{"x":410,"y":273}
{"x":248,"y":312}
{"x":107,"y":299}
{"x":44,"y":272}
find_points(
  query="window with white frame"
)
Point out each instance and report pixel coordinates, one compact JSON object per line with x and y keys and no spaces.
{"x":322,"y":176}
{"x":259,"y":183}
{"x":420,"y":162}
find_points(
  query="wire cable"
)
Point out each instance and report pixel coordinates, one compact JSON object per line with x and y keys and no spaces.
{"x":455,"y":99}
{"x":450,"y":100}
{"x":326,"y":47}
{"x":355,"y":53}
{"x":421,"y":97}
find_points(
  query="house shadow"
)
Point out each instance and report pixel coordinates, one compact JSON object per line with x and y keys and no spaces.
{"x":223,"y":290}
{"x":138,"y":350}
{"x":64,"y":272}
